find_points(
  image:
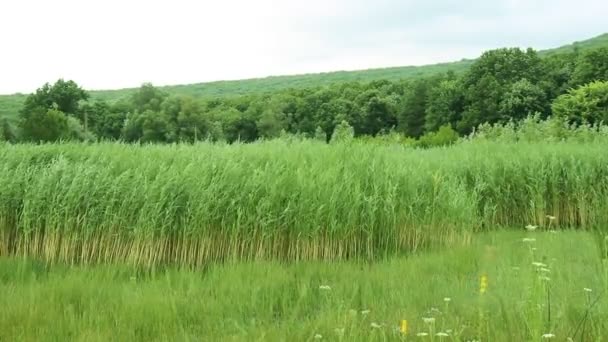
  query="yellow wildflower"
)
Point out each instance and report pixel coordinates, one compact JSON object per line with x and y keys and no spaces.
{"x":483,"y":284}
{"x":403,"y":327}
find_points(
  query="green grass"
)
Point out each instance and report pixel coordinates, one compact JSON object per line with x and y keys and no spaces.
{"x":10,"y":104}
{"x":589,"y":44}
{"x":285,"y":200}
{"x":270,"y":301}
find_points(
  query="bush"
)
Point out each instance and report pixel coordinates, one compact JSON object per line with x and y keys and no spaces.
{"x":343,"y":132}
{"x":587,"y":103}
{"x":446,"y":135}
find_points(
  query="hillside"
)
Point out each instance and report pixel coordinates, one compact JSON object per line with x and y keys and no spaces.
{"x":10,"y":104}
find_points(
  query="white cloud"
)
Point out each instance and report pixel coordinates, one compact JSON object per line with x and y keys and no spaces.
{"x":122,"y":43}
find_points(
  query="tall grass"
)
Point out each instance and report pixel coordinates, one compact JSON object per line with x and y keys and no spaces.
{"x":189,"y":205}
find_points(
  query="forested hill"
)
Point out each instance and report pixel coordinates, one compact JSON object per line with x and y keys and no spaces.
{"x":10,"y":104}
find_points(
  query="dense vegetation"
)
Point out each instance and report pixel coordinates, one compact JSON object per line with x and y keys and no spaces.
{"x":537,"y":284}
{"x":502,"y":85}
{"x":294,"y":199}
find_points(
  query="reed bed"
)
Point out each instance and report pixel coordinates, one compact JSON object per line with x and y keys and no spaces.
{"x":283,"y":200}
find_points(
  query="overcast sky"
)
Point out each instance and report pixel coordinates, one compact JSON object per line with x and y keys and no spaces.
{"x":105,"y":44}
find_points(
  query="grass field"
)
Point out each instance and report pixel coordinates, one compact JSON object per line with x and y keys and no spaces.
{"x":300,"y":240}
{"x":554,"y":285}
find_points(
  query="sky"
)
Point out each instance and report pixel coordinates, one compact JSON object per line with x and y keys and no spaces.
{"x":109,"y":44}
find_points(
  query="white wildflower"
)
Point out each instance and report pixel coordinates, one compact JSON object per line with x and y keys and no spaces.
{"x":528,"y":240}
{"x":539,"y":264}
{"x":428,"y":320}
{"x":447,"y":299}
{"x":586,"y":289}
{"x":325,"y":287}
{"x":364,"y":312}
{"x":375,"y":325}
{"x":551,"y":218}
{"x":422,"y":334}
{"x":549,"y":335}
{"x":531,"y":228}
{"x":318,"y":336}
{"x":442,"y":334}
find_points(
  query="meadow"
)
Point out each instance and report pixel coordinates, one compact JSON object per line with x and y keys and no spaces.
{"x":501,"y":237}
{"x":504,"y":286}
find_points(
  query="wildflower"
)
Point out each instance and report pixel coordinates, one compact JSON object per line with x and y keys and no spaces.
{"x":531,"y":228}
{"x":403,"y":327}
{"x":549,"y":335}
{"x":422,"y":334}
{"x":442,"y":334}
{"x":375,"y":325}
{"x":447,"y":299}
{"x":325,"y":287}
{"x":551,"y":218}
{"x":539,"y":264}
{"x":318,"y":336}
{"x":483,"y":284}
{"x":586,"y":289}
{"x":544,"y":270}
{"x":364,"y":312}
{"x":428,"y":320}
{"x":528,"y":240}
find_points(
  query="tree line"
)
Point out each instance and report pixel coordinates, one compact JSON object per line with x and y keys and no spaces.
{"x":503,"y":85}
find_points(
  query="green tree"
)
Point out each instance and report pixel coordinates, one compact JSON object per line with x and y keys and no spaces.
{"x":43,"y":116}
{"x":192,"y":126}
{"x":521,"y":100}
{"x":270,"y":124}
{"x":104,"y":120}
{"x":156,"y":127}
{"x":376,"y":114}
{"x":7,"y":131}
{"x":587,"y":103}
{"x":148,"y":97}
{"x":413,"y":107}
{"x":591,"y":66}
{"x":490,"y":78}
{"x":445,"y":105}
{"x":64,"y":96}
{"x":45,"y":125}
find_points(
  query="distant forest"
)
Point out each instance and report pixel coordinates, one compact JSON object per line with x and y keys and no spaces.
{"x":502,"y":85}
